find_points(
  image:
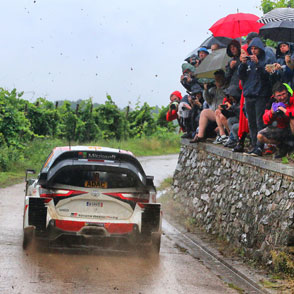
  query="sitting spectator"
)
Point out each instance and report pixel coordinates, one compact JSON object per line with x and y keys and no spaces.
{"x":183,"y":114}
{"x":256,"y":87}
{"x":196,"y":101}
{"x":279,"y":119}
{"x":227,"y":118}
{"x":188,"y":78}
{"x":175,"y":98}
{"x":214,"y":97}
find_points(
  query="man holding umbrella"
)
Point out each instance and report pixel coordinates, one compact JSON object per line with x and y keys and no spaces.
{"x":256,"y":90}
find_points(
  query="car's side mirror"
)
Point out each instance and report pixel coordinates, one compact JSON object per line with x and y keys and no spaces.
{"x":29,"y":171}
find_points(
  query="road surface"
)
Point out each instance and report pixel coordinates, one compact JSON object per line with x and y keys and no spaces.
{"x":67,"y":271}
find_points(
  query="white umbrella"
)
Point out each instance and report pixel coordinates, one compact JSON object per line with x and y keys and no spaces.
{"x":278,"y":14}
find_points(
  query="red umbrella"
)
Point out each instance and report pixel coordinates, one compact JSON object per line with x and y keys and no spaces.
{"x":236,"y":25}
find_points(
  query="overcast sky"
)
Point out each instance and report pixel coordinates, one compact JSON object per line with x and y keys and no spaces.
{"x":76,"y":49}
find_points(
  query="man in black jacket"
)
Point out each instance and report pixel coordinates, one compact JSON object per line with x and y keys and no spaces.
{"x":256,"y":89}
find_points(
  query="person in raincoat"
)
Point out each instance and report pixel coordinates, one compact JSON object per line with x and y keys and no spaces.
{"x":256,"y":90}
{"x":279,"y":119}
{"x":233,"y":51}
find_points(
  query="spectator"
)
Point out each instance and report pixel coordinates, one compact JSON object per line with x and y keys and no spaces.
{"x":279,"y":71}
{"x":227,"y":117}
{"x":214,"y":97}
{"x":214,"y":47}
{"x":233,"y":51}
{"x":243,"y":129}
{"x":202,"y":53}
{"x":184,"y":108}
{"x":196,"y":101}
{"x":279,"y":119}
{"x":175,"y":98}
{"x":270,"y":55}
{"x":256,"y":87}
{"x":188,"y":78}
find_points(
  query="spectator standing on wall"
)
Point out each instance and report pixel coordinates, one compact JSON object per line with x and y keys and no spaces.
{"x":233,"y":51}
{"x":256,"y":90}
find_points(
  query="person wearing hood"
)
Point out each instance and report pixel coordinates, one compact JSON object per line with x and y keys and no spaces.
{"x":227,"y":115}
{"x":233,"y":51}
{"x":188,"y":78}
{"x":196,"y":101}
{"x":281,"y":69}
{"x":256,"y":90}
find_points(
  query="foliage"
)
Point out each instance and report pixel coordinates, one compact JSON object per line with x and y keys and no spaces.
{"x":283,"y":262}
{"x":22,"y":122}
{"x":268,"y":5}
{"x":141,"y":121}
{"x":111,"y":120}
{"x":14,"y":126}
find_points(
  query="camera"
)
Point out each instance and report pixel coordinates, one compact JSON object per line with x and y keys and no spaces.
{"x":223,"y":106}
{"x":248,"y":58}
{"x":174,"y":105}
{"x":279,"y":113}
{"x":185,"y":77}
{"x":193,"y":59}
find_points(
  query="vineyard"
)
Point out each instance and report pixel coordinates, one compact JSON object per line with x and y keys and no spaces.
{"x":23,"y":122}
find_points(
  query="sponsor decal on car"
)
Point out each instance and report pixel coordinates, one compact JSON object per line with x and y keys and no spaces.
{"x":97,"y":216}
{"x":74,"y":214}
{"x":94,"y":204}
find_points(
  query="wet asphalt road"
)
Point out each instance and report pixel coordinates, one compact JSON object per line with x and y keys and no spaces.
{"x":67,"y":271}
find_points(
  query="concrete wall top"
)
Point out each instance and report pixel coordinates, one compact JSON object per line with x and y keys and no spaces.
{"x":265,"y":163}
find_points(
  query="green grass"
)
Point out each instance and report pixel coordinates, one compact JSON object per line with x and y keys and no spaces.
{"x":36,"y":152}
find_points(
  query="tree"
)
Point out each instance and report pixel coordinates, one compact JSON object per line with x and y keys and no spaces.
{"x":268,"y":5}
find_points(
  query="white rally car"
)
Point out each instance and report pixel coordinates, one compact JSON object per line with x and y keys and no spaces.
{"x":92,"y":193}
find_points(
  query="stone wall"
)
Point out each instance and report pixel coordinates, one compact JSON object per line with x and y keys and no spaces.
{"x":247,"y":200}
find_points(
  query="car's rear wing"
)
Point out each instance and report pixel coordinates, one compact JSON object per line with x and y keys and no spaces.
{"x":63,"y":153}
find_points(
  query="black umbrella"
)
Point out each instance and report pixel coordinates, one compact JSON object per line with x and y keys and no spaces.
{"x":223,"y":42}
{"x":279,"y":31}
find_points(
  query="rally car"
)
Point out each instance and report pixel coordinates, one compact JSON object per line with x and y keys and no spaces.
{"x":92,"y":193}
